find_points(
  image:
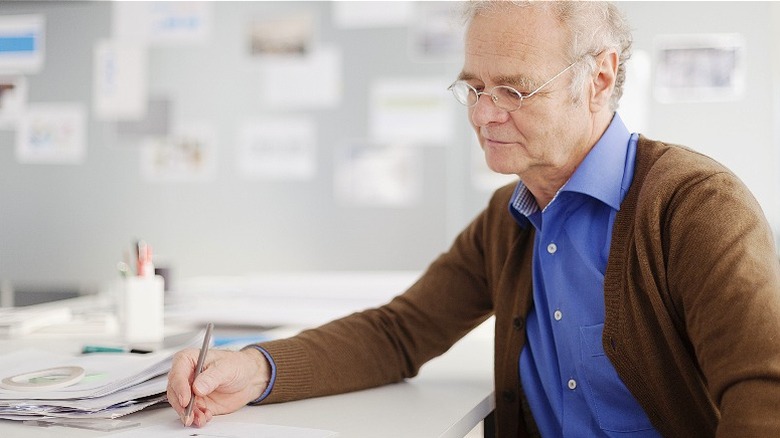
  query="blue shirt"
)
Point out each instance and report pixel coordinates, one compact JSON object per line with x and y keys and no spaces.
{"x":571,"y":386}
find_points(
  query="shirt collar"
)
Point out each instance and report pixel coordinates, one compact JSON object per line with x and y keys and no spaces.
{"x":600,"y":174}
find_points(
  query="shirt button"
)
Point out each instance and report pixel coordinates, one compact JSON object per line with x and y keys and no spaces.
{"x":551,"y":248}
{"x":518,"y":323}
{"x":572,"y":384}
{"x":558,"y":315}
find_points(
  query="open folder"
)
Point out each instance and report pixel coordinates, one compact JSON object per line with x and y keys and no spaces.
{"x":112,"y":385}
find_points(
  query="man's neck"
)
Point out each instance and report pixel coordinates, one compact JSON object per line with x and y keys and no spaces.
{"x":546,"y":183}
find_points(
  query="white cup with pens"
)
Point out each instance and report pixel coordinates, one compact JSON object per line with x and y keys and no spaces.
{"x":140,"y":298}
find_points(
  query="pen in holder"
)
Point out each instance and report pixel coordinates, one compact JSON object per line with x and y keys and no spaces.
{"x":141,"y":304}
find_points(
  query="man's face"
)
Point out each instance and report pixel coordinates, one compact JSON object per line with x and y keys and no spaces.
{"x":523,"y":48}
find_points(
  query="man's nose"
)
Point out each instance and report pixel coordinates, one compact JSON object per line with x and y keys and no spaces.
{"x":486,"y":112}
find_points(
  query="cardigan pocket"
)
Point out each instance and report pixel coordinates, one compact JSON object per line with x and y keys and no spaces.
{"x":611,"y":403}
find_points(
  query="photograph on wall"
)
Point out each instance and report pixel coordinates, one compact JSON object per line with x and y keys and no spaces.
{"x":22,"y":43}
{"x":370,"y":174}
{"x":278,"y":148}
{"x":188,"y":155}
{"x":288,"y":36}
{"x":52,"y":133}
{"x":707,"y":67}
{"x":13,"y":100}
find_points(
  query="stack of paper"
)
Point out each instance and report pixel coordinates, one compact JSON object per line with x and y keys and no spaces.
{"x":23,"y":320}
{"x":113,"y":385}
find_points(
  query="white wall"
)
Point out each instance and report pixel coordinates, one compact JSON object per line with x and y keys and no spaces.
{"x":69,"y":224}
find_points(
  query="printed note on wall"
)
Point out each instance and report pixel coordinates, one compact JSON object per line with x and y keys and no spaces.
{"x":22,"y":43}
{"x":277,"y":148}
{"x":52,"y":133}
{"x":119,"y":81}
{"x":378,"y":175}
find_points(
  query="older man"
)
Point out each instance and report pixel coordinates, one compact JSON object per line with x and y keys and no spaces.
{"x":635,"y":284}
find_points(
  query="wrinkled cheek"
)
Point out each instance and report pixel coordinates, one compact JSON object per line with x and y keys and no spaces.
{"x":499,"y":160}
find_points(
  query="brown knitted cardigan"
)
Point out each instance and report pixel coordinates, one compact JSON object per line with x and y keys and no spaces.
{"x":692,"y":296}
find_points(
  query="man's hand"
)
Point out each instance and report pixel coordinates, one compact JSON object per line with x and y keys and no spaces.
{"x":230,"y":380}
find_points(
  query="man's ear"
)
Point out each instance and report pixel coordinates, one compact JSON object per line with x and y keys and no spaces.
{"x":603,"y":82}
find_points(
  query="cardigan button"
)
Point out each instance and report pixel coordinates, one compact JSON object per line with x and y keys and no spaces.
{"x":509,"y":396}
{"x":518,"y":323}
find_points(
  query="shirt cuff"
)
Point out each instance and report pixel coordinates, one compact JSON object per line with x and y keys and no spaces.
{"x":273,"y":374}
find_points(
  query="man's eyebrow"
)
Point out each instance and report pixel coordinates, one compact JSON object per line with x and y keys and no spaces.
{"x":463,"y":76}
{"x":519,"y":81}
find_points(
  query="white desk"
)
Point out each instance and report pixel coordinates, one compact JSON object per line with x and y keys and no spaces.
{"x":452,"y":394}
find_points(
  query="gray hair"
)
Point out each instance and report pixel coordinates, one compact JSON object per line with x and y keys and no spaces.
{"x":593,"y":27}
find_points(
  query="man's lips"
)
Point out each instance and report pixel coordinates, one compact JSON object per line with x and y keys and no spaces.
{"x":494,"y":141}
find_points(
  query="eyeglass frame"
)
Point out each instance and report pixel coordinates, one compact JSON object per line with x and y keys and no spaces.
{"x":495,"y":99}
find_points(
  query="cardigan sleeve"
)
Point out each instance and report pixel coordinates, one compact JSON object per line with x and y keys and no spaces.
{"x":724,"y":279}
{"x":692,"y":295}
{"x":389,"y":343}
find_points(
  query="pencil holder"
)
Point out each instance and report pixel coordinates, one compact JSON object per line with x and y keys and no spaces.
{"x":140,"y":308}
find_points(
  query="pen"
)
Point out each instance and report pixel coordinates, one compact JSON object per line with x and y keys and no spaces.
{"x":87,"y":349}
{"x":199,"y":367}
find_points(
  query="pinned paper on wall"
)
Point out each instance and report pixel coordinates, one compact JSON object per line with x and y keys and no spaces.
{"x":52,"y":133}
{"x":435,"y":35}
{"x":13,"y":100}
{"x":22,"y":43}
{"x":302,"y":82}
{"x":278,"y":148}
{"x":378,"y":175}
{"x":413,"y":111}
{"x":372,"y":14}
{"x":705,"y":67}
{"x":120,"y":81}
{"x":291,"y":36}
{"x":185,"y":156}
{"x":177,"y":22}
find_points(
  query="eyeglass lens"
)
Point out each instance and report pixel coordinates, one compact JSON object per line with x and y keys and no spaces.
{"x":504,"y":97}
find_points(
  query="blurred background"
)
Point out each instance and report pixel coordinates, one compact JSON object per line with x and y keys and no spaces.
{"x":255,"y":137}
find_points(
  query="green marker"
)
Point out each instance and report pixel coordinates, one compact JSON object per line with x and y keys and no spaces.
{"x":87,"y":349}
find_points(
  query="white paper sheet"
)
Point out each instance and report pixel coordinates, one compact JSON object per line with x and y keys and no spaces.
{"x":105,"y":373}
{"x":52,"y":133}
{"x":13,"y":100}
{"x":189,"y":154}
{"x":378,"y":175}
{"x":302,"y":82}
{"x":162,"y":22}
{"x":224,"y":429}
{"x":413,"y":111}
{"x":278,"y":148}
{"x":119,"y":81}
{"x":22,"y":43}
{"x":351,"y":14}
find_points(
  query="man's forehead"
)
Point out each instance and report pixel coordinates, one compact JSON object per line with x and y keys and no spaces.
{"x":513,"y":47}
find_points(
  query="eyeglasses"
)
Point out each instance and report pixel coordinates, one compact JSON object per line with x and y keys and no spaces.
{"x":503,"y":96}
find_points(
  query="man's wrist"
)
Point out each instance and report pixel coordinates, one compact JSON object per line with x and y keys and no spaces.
{"x":266,"y":369}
